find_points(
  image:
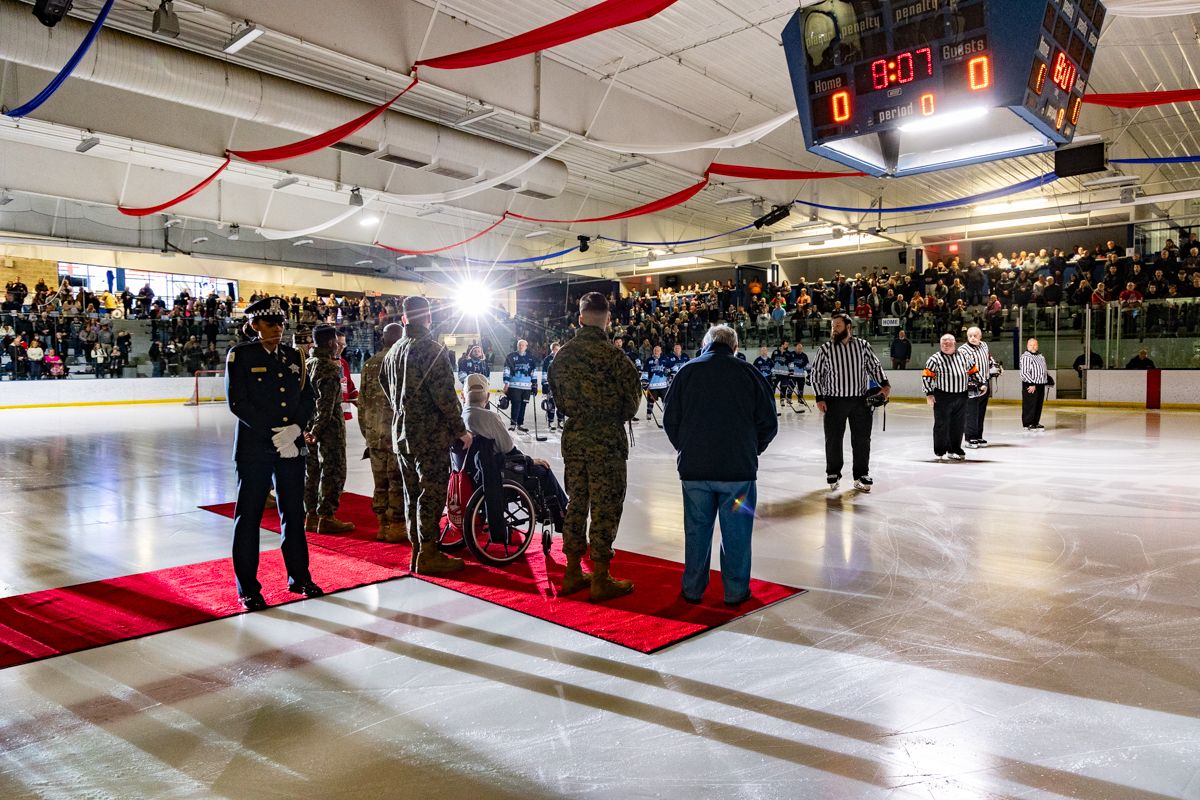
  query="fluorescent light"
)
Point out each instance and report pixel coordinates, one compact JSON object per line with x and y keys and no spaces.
{"x":428,"y":212}
{"x":939,"y":122}
{"x":363,"y":262}
{"x":356,"y":198}
{"x":537,"y":234}
{"x":200,"y":240}
{"x":5,"y":198}
{"x":172,"y":222}
{"x":283,"y":183}
{"x":369,"y":220}
{"x":1111,"y":182}
{"x":741,"y":198}
{"x":404,"y":258}
{"x":476,"y":116}
{"x":682,"y":261}
{"x":243,"y":37}
{"x":235,"y":232}
{"x":637,"y":162}
{"x":87,"y":144}
{"x":300,"y":242}
{"x":1014,"y":205}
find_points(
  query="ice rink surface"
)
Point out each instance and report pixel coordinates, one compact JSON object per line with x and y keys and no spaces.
{"x":1024,"y":624}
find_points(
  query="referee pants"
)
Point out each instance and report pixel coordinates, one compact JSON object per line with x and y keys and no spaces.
{"x":949,"y":417}
{"x":1031,"y":404}
{"x":841,"y":410}
{"x":976,"y":411}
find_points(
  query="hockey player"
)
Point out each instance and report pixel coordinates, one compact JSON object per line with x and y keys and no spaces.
{"x":472,"y":364}
{"x":800,"y":373}
{"x":655,"y":378}
{"x":519,"y":367}
{"x":552,"y":412}
{"x":781,"y":373}
{"x":763,"y":363}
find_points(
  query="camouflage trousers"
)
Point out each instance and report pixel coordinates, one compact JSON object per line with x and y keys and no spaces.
{"x":325,"y":472}
{"x":596,"y":488}
{"x":426,"y":474}
{"x":388,"y":499}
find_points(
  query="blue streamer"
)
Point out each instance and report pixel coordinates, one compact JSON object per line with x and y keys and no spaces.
{"x":546,"y":257}
{"x":682,"y":241}
{"x":61,"y":77}
{"x":1024,"y":186}
{"x":1171,"y":160}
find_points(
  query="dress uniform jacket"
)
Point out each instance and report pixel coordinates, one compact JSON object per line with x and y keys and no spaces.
{"x":265,"y":391}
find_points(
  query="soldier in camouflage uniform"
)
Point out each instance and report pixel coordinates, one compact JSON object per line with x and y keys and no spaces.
{"x":598,"y":389}
{"x":418,"y":380}
{"x":375,"y":421}
{"x":325,"y":473}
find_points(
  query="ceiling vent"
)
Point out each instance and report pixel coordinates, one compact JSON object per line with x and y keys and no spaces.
{"x":535,"y":194}
{"x":355,"y":149}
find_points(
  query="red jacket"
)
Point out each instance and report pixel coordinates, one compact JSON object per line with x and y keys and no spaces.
{"x":349,"y":390}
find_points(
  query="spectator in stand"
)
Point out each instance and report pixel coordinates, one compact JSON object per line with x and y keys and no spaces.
{"x":99,"y":360}
{"x":900,"y":350}
{"x":54,"y":365}
{"x":1141,"y":361}
{"x":35,"y":354}
{"x":1094,"y":362}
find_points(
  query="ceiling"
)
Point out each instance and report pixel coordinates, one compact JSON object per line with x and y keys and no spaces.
{"x":696,"y":71}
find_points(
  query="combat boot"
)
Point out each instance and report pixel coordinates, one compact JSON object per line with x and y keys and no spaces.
{"x":432,"y":561}
{"x":333,"y":526}
{"x":398,"y":531}
{"x":604,"y":586}
{"x":574,"y":578}
{"x":310,"y":523}
{"x":383,"y":528}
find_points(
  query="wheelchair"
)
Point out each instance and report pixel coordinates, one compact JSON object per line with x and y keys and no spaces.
{"x":526,"y":512}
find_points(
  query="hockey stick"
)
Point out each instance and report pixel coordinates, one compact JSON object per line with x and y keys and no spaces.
{"x":537,"y":436}
{"x":654,"y":415}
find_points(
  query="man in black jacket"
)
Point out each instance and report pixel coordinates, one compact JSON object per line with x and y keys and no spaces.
{"x":718,"y":464}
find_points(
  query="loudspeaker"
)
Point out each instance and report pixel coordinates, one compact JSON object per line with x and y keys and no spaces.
{"x":903,"y":257}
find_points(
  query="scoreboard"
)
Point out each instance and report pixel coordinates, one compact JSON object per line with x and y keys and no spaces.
{"x":898,"y":87}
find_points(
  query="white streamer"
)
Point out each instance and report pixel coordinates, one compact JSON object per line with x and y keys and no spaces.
{"x":274,"y":235}
{"x":733,"y":140}
{"x":1152,"y":8}
{"x":474,"y":188}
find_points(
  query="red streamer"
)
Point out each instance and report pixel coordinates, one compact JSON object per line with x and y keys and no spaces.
{"x":1143,"y":99}
{"x":321,"y":140}
{"x":679,"y":198}
{"x":601,"y":17}
{"x":764,"y":174}
{"x":483,"y":232}
{"x":147,"y":211}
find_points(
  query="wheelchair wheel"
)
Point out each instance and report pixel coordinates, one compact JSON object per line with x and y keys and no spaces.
{"x":546,"y":541}
{"x":449,"y":539}
{"x":520,"y":518}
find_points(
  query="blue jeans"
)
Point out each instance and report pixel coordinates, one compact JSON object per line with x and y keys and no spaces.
{"x":734,"y":502}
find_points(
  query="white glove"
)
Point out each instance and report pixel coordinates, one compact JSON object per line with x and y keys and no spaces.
{"x":286,"y":435}
{"x":289,"y":450}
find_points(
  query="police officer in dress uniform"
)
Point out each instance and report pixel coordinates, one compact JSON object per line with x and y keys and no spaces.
{"x":518,"y":384}
{"x":555,"y":416}
{"x":375,"y":421}
{"x":418,"y":380}
{"x":326,"y":437}
{"x":268,"y":391}
{"x":598,"y":389}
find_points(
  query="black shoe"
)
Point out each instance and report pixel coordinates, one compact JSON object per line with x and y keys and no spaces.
{"x":692,"y":600}
{"x":1038,"y":427}
{"x":739,"y":601}
{"x":981,"y":442}
{"x":864,"y":483}
{"x":309,"y":589}
{"x":512,"y":427}
{"x":252,"y":602}
{"x":779,"y":413}
{"x":832,"y":480}
{"x":522,"y":429}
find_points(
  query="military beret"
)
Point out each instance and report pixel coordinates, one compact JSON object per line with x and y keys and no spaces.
{"x":269,"y":308}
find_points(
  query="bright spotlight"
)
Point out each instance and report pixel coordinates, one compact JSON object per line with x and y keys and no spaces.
{"x":473,"y":299}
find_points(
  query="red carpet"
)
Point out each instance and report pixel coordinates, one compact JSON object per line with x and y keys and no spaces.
{"x":57,"y":621}
{"x":73,"y":618}
{"x":651,"y":618}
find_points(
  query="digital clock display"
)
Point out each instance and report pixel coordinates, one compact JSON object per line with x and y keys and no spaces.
{"x":875,"y":68}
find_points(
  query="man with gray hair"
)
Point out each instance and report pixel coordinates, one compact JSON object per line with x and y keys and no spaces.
{"x":718,"y":464}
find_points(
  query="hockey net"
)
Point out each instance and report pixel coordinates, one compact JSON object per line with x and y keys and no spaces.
{"x":209,"y":388}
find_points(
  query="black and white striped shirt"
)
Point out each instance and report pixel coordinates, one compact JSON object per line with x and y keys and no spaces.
{"x":980,"y":356}
{"x":1033,"y":368}
{"x":948,"y":372}
{"x":843,"y":370}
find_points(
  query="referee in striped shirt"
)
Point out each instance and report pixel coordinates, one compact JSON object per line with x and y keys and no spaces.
{"x":1034,"y":380}
{"x":976,"y":349}
{"x":946,"y":375}
{"x":839,"y":375}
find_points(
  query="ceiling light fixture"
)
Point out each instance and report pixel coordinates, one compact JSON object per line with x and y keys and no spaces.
{"x":369,"y":220}
{"x":235,"y":232}
{"x":87,"y":144}
{"x":5,"y":198}
{"x":637,"y":162}
{"x":283,"y":183}
{"x":243,"y":37}
{"x":172,"y":222}
{"x":363,"y":262}
{"x":429,"y":212}
{"x":405,"y":258}
{"x":1111,"y":182}
{"x":166,"y":21}
{"x":584,"y":243}
{"x":356,"y":198}
{"x":301,"y":242}
{"x":740,"y":198}
{"x":776,"y":214}
{"x":200,"y":240}
{"x":51,"y":12}
{"x":537,"y":234}
{"x":471,"y":117}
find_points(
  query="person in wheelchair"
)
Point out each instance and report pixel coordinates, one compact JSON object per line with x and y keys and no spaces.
{"x":495,"y":456}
